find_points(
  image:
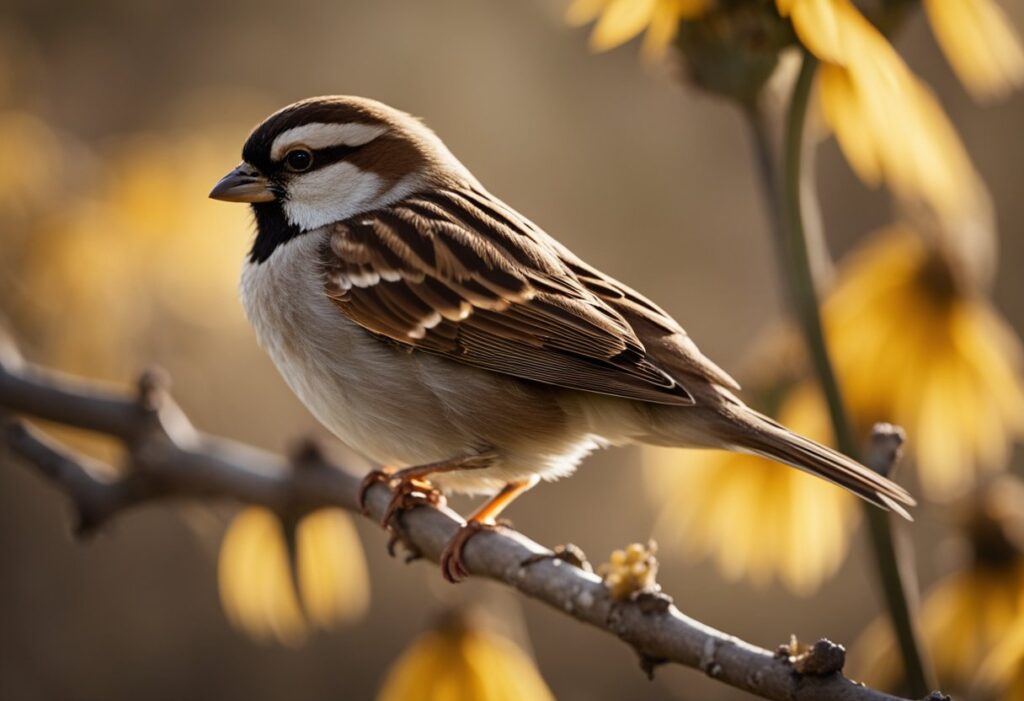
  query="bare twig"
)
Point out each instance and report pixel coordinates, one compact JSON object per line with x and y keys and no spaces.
{"x":169,"y":459}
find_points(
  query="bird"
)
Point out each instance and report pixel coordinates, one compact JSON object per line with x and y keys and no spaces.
{"x":436,"y":330}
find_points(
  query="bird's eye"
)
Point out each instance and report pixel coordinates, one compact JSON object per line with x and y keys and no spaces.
{"x":299,"y":159}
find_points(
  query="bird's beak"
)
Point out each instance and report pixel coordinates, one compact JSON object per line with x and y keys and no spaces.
{"x":243,"y":184}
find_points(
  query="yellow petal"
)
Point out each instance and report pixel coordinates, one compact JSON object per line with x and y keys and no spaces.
{"x":980,"y":43}
{"x":784,"y":7}
{"x":911,"y":348}
{"x":1004,"y":667}
{"x":255,"y":579}
{"x":661,"y":30}
{"x":823,"y":26}
{"x":621,"y":21}
{"x":962,"y":618}
{"x":888,"y":124}
{"x":759,"y":520}
{"x":332,"y":573}
{"x":457,"y":663}
{"x":842,"y":109}
{"x":582,"y":12}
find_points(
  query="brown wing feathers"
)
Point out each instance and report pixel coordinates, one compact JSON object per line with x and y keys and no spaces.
{"x":446,"y":273}
{"x":457,"y":274}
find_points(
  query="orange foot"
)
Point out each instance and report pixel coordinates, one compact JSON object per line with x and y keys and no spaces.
{"x":453,"y":568}
{"x":409,"y":492}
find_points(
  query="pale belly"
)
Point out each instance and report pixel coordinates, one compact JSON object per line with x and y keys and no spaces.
{"x":396,"y":407}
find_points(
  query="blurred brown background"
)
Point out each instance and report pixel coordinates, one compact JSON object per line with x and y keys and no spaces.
{"x":647,"y":180}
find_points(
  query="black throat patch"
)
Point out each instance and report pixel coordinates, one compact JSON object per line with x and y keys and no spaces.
{"x":272,"y":230}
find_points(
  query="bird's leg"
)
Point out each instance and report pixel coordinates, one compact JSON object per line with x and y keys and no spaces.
{"x":452,"y":566}
{"x":411,"y":487}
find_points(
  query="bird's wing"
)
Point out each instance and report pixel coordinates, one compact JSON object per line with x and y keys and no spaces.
{"x":666,"y":341}
{"x":456,"y":273}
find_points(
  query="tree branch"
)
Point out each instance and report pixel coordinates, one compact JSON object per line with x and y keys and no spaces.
{"x":168,"y":459}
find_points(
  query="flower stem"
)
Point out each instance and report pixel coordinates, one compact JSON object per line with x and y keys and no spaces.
{"x":786,"y":206}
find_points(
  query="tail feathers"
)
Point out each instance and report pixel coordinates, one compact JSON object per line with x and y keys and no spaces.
{"x":770,"y":439}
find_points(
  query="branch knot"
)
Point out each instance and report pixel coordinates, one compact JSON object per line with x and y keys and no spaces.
{"x":822,"y":659}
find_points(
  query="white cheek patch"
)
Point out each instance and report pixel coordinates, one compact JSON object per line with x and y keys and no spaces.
{"x":330,"y":194}
{"x":320,"y":135}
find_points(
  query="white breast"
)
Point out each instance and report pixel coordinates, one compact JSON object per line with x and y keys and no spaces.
{"x":365,"y":392}
{"x":403,"y":408}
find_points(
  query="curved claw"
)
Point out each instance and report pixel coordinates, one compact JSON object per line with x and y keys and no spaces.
{"x":452,"y":566}
{"x":372,"y":477}
{"x":410,"y":493}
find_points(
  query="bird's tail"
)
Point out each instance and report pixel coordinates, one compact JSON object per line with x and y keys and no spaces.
{"x":756,"y":433}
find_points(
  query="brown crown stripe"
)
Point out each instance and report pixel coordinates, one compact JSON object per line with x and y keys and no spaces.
{"x":329,"y":110}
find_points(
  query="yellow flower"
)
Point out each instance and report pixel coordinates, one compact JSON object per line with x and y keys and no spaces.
{"x":961,"y":619}
{"x":1004,"y":668}
{"x":888,"y":124}
{"x":618,"y":21}
{"x":756,"y":518}
{"x":30,"y":163}
{"x":971,"y":611}
{"x":460,"y":662}
{"x":6,"y":74}
{"x":980,"y":43}
{"x":912,"y":344}
{"x":258,"y":575}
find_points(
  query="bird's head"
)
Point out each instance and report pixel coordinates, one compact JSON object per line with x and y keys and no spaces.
{"x":326,"y":159}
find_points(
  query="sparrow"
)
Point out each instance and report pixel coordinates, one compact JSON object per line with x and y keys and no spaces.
{"x":433,"y":328}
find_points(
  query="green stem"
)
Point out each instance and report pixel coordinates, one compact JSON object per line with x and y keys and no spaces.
{"x":803,"y":290}
{"x":792,"y":241}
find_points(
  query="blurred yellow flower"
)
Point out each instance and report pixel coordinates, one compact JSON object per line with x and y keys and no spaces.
{"x":30,"y":163}
{"x":961,"y":619}
{"x":274,"y":595}
{"x":1002,"y":674}
{"x":146,"y":243}
{"x":888,"y":124}
{"x":6,"y":73}
{"x":967,"y":614}
{"x":914,"y":345}
{"x":757,"y":519}
{"x":618,"y":21}
{"x":462,"y":662}
{"x":980,"y":43}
